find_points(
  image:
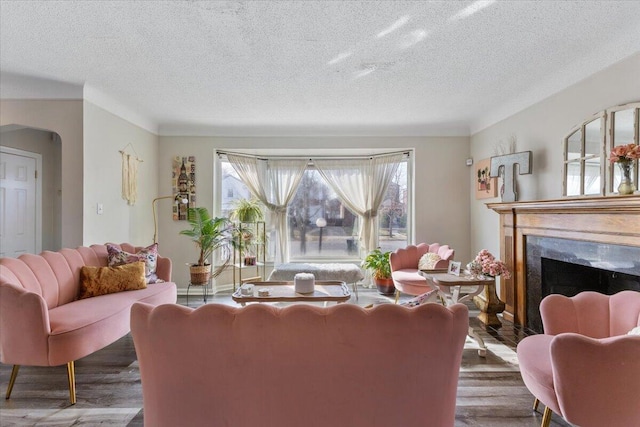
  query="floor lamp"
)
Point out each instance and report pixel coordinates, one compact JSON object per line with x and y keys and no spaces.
{"x":176,"y":200}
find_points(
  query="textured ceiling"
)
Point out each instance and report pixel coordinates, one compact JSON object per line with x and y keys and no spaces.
{"x":311,"y":67}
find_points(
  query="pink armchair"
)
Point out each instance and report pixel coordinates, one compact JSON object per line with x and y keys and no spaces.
{"x":585,"y":367}
{"x":404,"y":267}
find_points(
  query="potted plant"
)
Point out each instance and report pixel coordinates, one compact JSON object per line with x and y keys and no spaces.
{"x":209,"y":234}
{"x":378,"y":262}
{"x":246,"y":210}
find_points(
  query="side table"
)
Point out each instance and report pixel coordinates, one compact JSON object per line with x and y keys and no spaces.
{"x":449,"y":285}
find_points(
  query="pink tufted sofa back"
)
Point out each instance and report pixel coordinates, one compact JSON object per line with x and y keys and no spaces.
{"x":55,"y":276}
{"x":300,"y":365}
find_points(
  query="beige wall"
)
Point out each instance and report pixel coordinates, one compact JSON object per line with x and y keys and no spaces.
{"x":46,"y":144}
{"x":63,"y":117}
{"x":441,"y":184}
{"x":541,"y":129}
{"x":105,"y":134}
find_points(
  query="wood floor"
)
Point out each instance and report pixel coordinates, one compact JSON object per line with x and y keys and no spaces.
{"x":490,"y":390}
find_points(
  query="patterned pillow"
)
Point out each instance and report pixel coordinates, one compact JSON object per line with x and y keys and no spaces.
{"x":149,"y":255}
{"x":96,"y":281}
{"x":428,"y":261}
{"x":427,"y":297}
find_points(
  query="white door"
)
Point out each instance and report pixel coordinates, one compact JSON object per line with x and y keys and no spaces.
{"x":19,"y":230}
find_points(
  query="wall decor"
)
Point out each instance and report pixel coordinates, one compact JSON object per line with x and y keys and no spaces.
{"x":505,"y":166}
{"x":486,"y":186}
{"x":130,"y":174}
{"x":184,"y":185}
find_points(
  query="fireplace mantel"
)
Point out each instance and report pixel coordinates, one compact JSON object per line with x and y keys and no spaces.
{"x":611,"y":220}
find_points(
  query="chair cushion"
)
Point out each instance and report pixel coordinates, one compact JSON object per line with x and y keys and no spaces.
{"x":534,"y":357}
{"x":410,"y":282}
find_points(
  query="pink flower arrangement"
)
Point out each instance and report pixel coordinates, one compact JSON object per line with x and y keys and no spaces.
{"x":624,"y":153}
{"x":486,"y":263}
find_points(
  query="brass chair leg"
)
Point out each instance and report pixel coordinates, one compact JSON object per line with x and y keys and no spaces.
{"x":12,"y":380}
{"x":536,"y":402}
{"x":546,"y":417}
{"x":71,"y":376}
{"x":397,"y":296}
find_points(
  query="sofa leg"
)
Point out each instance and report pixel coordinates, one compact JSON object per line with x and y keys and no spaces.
{"x":12,"y":380}
{"x":71,"y":376}
{"x":546,"y":417}
{"x":536,"y":402}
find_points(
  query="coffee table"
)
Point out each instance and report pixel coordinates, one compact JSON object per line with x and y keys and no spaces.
{"x":324,"y":291}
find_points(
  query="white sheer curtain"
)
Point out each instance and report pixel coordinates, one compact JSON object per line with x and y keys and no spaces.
{"x":274,"y":182}
{"x":361,"y":185}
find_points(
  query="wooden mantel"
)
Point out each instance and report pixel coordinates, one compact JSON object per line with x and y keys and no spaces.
{"x":612,"y":220}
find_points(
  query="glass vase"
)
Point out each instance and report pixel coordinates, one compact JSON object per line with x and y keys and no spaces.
{"x":626,"y":182}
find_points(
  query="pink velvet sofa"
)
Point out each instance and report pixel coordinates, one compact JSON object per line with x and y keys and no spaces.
{"x":404,"y":266}
{"x":586,"y":367}
{"x":300,"y":365}
{"x":42,"y":323}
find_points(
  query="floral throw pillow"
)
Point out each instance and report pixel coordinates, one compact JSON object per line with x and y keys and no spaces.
{"x":427,"y":297}
{"x":148,"y":255}
{"x":428,"y":261}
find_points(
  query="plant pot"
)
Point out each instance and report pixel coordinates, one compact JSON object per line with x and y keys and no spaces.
{"x":385,"y":286}
{"x":200,"y":274}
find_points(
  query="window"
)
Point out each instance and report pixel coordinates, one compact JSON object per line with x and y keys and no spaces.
{"x":320,"y":226}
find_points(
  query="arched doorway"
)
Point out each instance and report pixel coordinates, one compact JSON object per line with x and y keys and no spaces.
{"x":31,"y":190}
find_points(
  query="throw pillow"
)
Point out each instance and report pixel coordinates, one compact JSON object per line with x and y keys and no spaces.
{"x":427,"y":297}
{"x":149,"y":255}
{"x":428,"y":261}
{"x":96,"y":281}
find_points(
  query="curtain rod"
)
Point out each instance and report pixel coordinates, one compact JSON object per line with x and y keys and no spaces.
{"x":310,"y":158}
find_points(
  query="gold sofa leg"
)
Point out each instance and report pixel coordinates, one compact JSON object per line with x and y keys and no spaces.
{"x":12,"y":380}
{"x":71,"y":376}
{"x":546,"y":417}
{"x":536,"y":402}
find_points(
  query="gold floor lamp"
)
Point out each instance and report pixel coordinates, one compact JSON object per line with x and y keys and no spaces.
{"x":177,"y":199}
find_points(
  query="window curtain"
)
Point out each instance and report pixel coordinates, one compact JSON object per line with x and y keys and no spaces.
{"x":361,"y":185}
{"x":274,"y":182}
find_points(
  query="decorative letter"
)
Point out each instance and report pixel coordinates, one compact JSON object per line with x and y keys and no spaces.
{"x":507,"y":164}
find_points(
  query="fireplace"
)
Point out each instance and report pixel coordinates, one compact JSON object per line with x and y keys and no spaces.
{"x":567,"y":267}
{"x":566,"y":246}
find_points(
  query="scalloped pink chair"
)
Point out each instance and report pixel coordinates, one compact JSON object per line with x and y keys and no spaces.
{"x":404,"y":267}
{"x":585,"y":367}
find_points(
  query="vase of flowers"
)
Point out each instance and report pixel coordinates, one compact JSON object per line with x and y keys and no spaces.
{"x":625,"y":156}
{"x":486,"y":266}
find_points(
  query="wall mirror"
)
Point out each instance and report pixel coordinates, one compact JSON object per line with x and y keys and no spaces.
{"x":587,"y":171}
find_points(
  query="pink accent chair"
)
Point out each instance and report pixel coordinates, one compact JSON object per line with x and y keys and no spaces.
{"x":42,"y":322}
{"x":301,"y":365}
{"x":585,"y":367}
{"x":404,"y":267}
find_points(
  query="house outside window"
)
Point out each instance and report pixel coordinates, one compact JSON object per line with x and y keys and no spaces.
{"x":320,"y":226}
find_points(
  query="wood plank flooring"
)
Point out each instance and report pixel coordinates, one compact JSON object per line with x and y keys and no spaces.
{"x":109,"y":392}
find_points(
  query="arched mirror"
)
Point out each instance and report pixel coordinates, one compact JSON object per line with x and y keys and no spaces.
{"x":584,"y":157}
{"x":587,"y":170}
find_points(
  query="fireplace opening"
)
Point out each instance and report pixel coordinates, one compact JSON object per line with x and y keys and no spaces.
{"x":568,"y":267}
{"x":559,"y":277}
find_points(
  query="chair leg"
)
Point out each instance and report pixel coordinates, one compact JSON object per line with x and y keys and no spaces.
{"x":536,"y":402}
{"x":397,"y":296}
{"x":12,"y":380}
{"x":546,"y":417}
{"x":71,"y":376}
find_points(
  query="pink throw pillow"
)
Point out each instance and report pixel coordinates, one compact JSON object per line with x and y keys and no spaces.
{"x":148,"y":255}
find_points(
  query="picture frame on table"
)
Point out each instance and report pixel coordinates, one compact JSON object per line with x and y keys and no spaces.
{"x":454,"y":268}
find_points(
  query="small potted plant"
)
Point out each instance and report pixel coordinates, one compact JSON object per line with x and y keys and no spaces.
{"x":246,"y":210}
{"x":209,"y":234}
{"x":378,"y":262}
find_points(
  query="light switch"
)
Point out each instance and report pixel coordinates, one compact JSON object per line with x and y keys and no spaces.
{"x":100,"y":209}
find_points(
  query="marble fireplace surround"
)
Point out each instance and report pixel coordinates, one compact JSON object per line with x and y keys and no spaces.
{"x":606,"y":227}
